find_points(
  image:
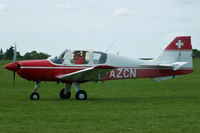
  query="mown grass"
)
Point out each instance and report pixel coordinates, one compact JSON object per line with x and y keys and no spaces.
{"x":122,"y":106}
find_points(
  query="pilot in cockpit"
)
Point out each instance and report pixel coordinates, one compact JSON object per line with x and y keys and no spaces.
{"x":78,"y":59}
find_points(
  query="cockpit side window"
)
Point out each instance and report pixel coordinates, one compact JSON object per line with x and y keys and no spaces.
{"x":80,"y":57}
{"x":99,"y":58}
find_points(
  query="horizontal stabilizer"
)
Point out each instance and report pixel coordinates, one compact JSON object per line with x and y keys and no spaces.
{"x":175,"y":65}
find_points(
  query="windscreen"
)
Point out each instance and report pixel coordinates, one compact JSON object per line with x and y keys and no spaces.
{"x":59,"y":59}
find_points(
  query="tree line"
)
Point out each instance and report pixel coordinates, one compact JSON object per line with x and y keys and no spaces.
{"x":195,"y":53}
{"x":9,"y":53}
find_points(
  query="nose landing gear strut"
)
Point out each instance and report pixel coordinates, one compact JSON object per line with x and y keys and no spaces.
{"x":35,"y":95}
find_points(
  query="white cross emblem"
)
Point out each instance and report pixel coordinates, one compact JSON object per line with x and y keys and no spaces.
{"x":179,"y":44}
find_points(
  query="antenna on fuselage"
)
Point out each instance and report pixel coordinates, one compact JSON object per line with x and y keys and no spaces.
{"x":111,"y":44}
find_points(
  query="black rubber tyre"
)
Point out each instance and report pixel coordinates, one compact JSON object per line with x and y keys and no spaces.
{"x":81,"y":95}
{"x":63,"y":95}
{"x":34,"y":96}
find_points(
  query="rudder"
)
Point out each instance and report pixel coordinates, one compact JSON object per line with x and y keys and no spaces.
{"x":179,"y":50}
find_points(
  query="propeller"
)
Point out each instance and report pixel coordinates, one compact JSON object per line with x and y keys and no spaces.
{"x":13,"y":77}
{"x":14,"y":60}
{"x":13,"y":66}
{"x":15,"y":54}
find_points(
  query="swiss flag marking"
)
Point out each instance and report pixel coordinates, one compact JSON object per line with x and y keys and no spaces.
{"x":179,"y":44}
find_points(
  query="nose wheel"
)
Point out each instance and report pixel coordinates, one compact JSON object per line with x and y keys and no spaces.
{"x":35,"y":95}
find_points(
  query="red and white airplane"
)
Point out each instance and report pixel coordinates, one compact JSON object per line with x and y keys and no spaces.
{"x":74,"y":67}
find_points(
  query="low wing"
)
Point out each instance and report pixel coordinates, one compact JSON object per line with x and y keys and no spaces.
{"x":95,"y":73}
{"x":175,"y":65}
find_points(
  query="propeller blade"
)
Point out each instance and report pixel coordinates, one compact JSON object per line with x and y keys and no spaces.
{"x":13,"y":77}
{"x":15,"y":54}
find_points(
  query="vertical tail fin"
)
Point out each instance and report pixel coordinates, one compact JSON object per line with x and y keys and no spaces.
{"x":178,"y":55}
{"x":179,"y":50}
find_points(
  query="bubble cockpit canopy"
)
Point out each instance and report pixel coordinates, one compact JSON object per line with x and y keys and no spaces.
{"x":76,"y":57}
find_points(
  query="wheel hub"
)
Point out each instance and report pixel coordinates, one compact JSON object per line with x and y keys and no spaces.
{"x":35,"y":97}
{"x":81,"y":96}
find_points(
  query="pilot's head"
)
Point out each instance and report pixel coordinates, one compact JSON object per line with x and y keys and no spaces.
{"x":77,"y":54}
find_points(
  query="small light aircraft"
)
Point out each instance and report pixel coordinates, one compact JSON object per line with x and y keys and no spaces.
{"x":74,"y":67}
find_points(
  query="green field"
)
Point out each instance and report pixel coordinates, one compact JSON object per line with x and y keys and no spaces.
{"x":122,"y":106}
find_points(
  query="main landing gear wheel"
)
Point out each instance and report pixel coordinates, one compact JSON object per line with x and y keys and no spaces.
{"x":34,"y":96}
{"x":81,"y":95}
{"x":65,"y":95}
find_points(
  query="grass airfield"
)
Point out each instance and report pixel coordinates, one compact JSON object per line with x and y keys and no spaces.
{"x":120,"y":106}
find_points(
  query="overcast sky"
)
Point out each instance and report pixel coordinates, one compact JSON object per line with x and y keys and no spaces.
{"x":140,"y":28}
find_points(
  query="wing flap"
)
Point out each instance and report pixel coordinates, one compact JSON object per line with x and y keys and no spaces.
{"x":89,"y":74}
